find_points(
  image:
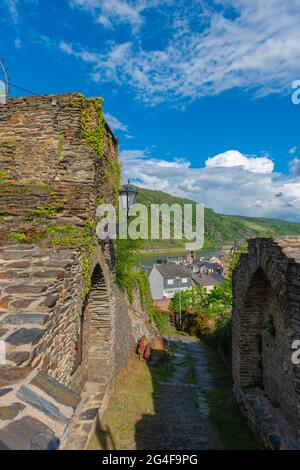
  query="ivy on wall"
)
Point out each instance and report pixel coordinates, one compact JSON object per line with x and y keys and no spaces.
{"x":92,"y":121}
{"x":93,"y":131}
{"x":41,"y":223}
{"x":130,"y":278}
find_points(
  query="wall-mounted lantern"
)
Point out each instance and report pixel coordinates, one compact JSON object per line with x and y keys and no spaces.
{"x":128,"y":196}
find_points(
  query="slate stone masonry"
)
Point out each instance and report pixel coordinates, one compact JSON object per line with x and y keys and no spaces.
{"x":50,"y":395}
{"x":266,"y":322}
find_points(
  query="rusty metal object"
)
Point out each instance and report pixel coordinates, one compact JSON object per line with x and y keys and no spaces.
{"x":155,"y":349}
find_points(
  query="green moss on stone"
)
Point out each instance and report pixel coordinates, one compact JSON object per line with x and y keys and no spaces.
{"x":18,"y":237}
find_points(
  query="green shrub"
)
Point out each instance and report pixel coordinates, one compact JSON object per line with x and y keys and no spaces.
{"x":4,"y":176}
{"x":211,"y":313}
{"x":130,"y":278}
{"x":159,"y":319}
{"x":47,"y":212}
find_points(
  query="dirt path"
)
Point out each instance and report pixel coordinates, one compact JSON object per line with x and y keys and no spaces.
{"x":181,"y":420}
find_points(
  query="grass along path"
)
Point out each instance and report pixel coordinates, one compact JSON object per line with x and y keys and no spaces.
{"x":132,"y":398}
{"x":224,"y":412}
{"x":187,"y":406}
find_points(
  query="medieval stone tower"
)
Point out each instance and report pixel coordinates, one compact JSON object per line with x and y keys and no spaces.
{"x":65,"y":327}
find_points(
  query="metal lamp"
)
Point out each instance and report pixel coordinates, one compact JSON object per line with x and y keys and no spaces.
{"x":128,"y":195}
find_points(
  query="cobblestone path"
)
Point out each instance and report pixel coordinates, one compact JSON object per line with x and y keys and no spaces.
{"x":181,"y":419}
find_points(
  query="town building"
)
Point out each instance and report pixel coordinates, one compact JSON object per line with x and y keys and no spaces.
{"x":167,"y":279}
{"x":209,"y":281}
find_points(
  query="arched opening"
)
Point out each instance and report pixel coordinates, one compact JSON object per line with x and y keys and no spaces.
{"x":264,"y":347}
{"x":93,"y":337}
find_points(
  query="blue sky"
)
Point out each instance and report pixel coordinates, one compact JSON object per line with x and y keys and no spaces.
{"x":197,"y":91}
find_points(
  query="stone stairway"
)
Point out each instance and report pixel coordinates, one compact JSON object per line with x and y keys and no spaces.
{"x":35,"y":409}
{"x":96,"y":391}
{"x":30,"y":278}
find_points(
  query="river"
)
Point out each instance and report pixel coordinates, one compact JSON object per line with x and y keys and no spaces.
{"x":150,"y":258}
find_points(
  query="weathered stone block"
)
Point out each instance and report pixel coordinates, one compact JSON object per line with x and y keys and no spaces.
{"x":10,"y":412}
{"x":5,"y":391}
{"x":54,"y":389}
{"x":23,"y":318}
{"x":30,"y":397}
{"x":18,"y":357}
{"x":26,"y":289}
{"x":3,"y":331}
{"x":18,"y":264}
{"x":49,"y":302}
{"x":25,"y":336}
{"x":12,"y":375}
{"x":89,"y":415}
{"x":28,"y":434}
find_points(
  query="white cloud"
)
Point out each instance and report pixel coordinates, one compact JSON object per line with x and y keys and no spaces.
{"x":106,"y":12}
{"x":293,"y":150}
{"x":102,"y":19}
{"x":128,"y":155}
{"x":115,"y":124}
{"x":66,"y":48}
{"x":257,"y":48}
{"x":12,"y":6}
{"x":295,"y":167}
{"x":233,"y":158}
{"x":235,"y":189}
{"x":18,"y":43}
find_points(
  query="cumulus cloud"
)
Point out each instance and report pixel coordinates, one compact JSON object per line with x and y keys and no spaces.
{"x":211,"y":47}
{"x":115,"y":124}
{"x":235,"y":189}
{"x":295,"y":167}
{"x":233,"y":158}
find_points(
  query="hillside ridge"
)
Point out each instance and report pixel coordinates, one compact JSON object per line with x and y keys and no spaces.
{"x":220,"y":229}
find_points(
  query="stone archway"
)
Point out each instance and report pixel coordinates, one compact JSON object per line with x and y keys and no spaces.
{"x":265,"y":347}
{"x":264,"y":327}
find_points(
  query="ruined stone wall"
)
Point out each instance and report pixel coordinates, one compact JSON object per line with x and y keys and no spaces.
{"x":48,"y":166}
{"x":21,"y":206}
{"x":53,"y":174}
{"x":266,"y":321}
{"x":41,"y":140}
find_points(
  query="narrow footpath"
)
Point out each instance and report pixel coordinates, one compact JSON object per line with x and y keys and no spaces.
{"x":181,"y":414}
{"x":186,"y":404}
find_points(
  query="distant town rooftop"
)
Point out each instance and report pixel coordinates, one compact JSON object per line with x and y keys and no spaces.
{"x":172,"y":270}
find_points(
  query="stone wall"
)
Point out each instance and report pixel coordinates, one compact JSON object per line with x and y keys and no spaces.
{"x":67,"y":327}
{"x":48,"y":163}
{"x":266,"y":322}
{"x":41,"y":140}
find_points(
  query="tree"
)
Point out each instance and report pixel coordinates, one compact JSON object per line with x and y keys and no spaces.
{"x":220,"y":297}
{"x":184,"y":297}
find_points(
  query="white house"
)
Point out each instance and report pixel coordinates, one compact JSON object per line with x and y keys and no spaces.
{"x":167,"y":279}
